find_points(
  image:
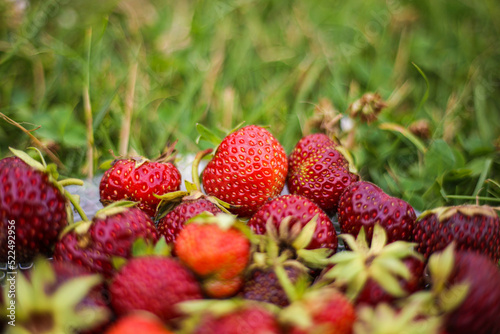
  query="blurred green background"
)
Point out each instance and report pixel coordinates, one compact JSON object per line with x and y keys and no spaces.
{"x":84,"y":70}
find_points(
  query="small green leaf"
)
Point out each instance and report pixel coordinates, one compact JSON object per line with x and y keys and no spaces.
{"x":379,"y":240}
{"x":105,"y":165}
{"x":305,"y":236}
{"x":72,"y":292}
{"x":453,"y":297}
{"x":118,"y":262}
{"x":27,"y":159}
{"x":208,"y":135}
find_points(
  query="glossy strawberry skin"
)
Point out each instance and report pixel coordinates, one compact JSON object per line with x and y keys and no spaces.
{"x":173,"y":222}
{"x":217,"y":256}
{"x":36,"y":206}
{"x":319,"y":172}
{"x":479,"y":312}
{"x":154,"y":284}
{"x":107,"y":237}
{"x":365,"y":204}
{"x":249,"y":168}
{"x":263,"y":285}
{"x":130,"y":180}
{"x":248,"y":320}
{"x":474,"y":228}
{"x":303,"y":210}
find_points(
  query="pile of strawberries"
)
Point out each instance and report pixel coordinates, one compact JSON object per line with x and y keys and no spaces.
{"x":230,"y":254}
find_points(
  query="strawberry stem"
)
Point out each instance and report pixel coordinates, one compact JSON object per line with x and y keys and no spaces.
{"x":70,"y":182}
{"x":196,"y":163}
{"x":76,"y":205}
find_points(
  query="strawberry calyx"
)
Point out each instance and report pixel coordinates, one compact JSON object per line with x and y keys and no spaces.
{"x":385,"y":319}
{"x":443,"y":213}
{"x":142,"y":248}
{"x":381,"y":262}
{"x":442,"y":298}
{"x":54,"y":312}
{"x":292,"y":240}
{"x":114,"y":209}
{"x":53,"y":175}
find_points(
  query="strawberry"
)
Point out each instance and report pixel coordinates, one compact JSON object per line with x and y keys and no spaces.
{"x":216,"y":251}
{"x":472,"y":227}
{"x":140,"y":322}
{"x":138,"y":180}
{"x":53,"y":302}
{"x":33,"y":208}
{"x":478,"y":313}
{"x":262,"y":281}
{"x":463,"y":290}
{"x":155,"y":284}
{"x":239,"y":319}
{"x":111,"y":232}
{"x":318,"y":171}
{"x":249,"y":168}
{"x":301,"y":210}
{"x":363,"y":204}
{"x":324,"y":311}
{"x":380,"y":273}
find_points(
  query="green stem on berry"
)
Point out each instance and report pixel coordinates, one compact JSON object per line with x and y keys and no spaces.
{"x":76,"y":205}
{"x":70,"y":182}
{"x":196,"y":163}
{"x":286,"y":283}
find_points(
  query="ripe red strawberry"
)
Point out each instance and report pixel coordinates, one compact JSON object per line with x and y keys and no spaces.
{"x":478,"y":313}
{"x":217,"y":254}
{"x":302,"y":210}
{"x":33,"y":209}
{"x":140,"y":322}
{"x":246,"y":319}
{"x":139,"y":180}
{"x":112,"y":232}
{"x":472,"y":227}
{"x":324,"y":311}
{"x":249,"y":168}
{"x":365,"y":204}
{"x":318,"y":171}
{"x":154,"y":284}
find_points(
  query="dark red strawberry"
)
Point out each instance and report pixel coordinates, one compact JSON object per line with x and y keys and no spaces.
{"x":173,"y":222}
{"x":249,"y":168}
{"x":33,"y":208}
{"x":318,"y":171}
{"x":248,"y":318}
{"x":363,"y":204}
{"x":478,"y":313}
{"x":155,"y":284}
{"x":472,"y":227}
{"x":112,"y":232}
{"x":139,"y":180}
{"x":301,"y":210}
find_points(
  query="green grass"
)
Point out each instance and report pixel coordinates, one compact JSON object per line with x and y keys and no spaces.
{"x":263,"y":62}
